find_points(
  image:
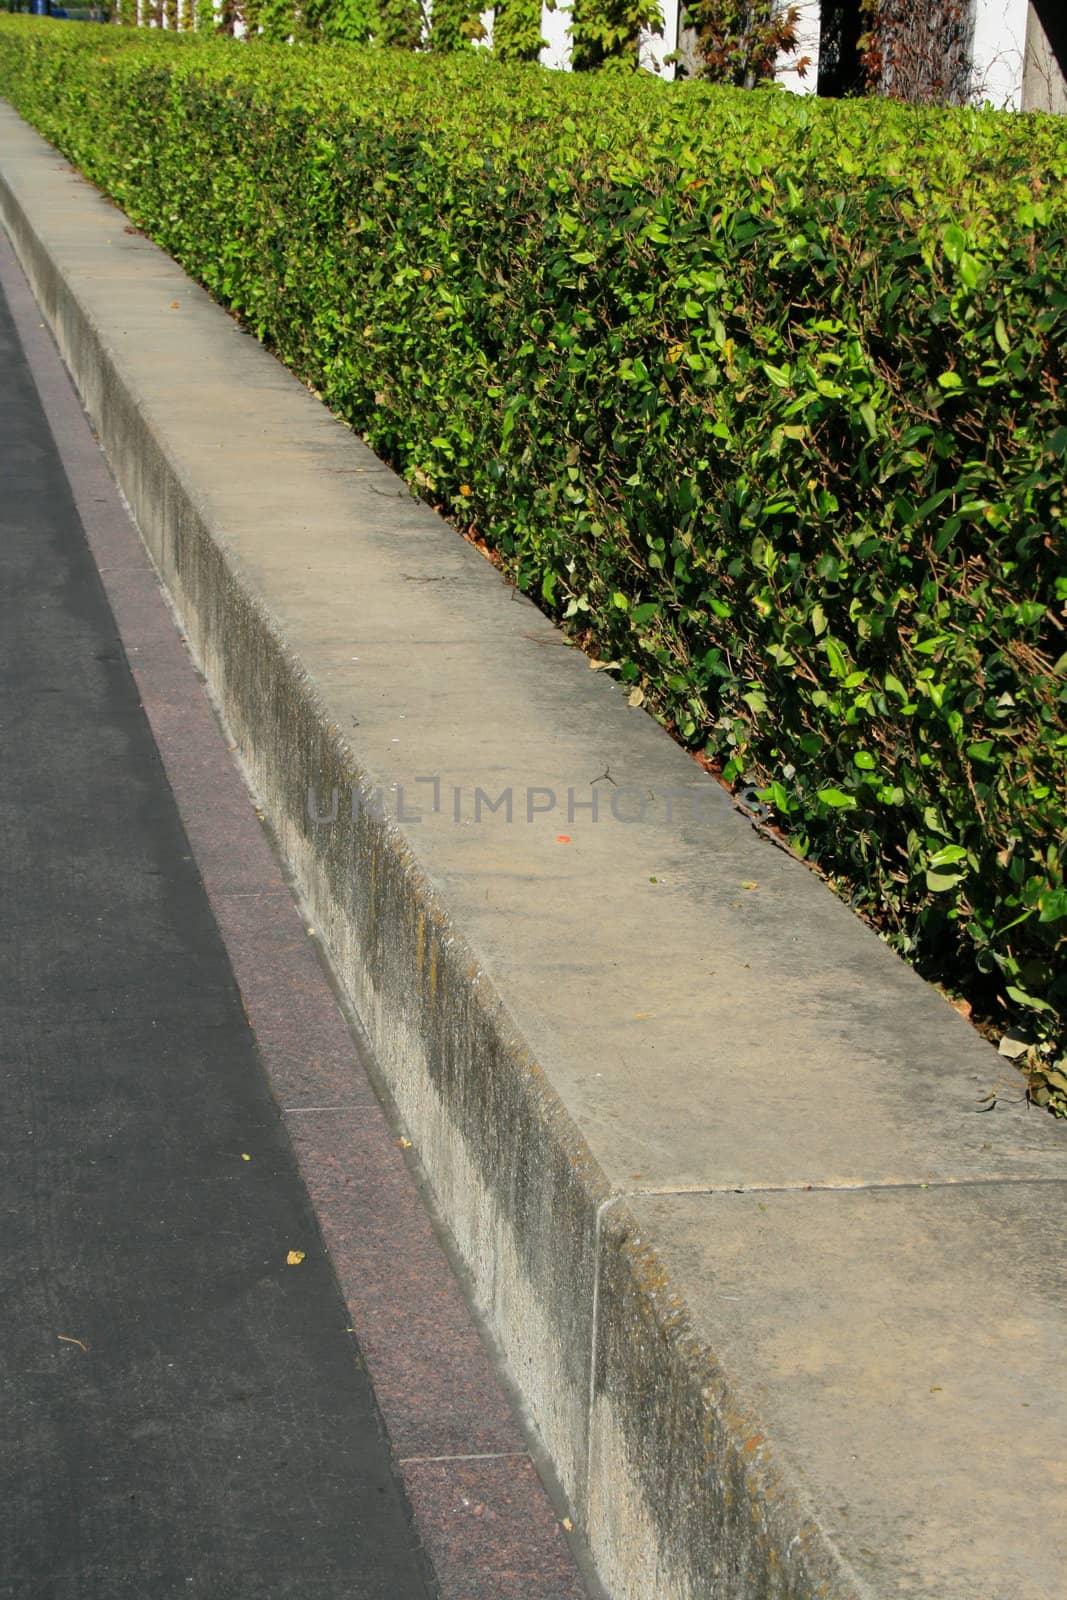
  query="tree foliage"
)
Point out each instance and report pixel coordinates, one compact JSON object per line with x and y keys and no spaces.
{"x":401,"y":24}
{"x":607,"y":32}
{"x":517,"y":30}
{"x":741,"y":41}
{"x":454,"y":24}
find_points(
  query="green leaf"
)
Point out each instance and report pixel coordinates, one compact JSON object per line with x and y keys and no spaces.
{"x":954,"y":243}
{"x":929,"y":647}
{"x":1053,"y":905}
{"x":947,"y":855}
{"x":1030,"y":1001}
{"x":779,"y":797}
{"x":940,"y":882}
{"x":970,"y":271}
{"x":835,"y":656}
{"x":837,"y":799}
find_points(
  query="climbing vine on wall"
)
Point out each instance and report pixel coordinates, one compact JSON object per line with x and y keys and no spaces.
{"x":918,"y":50}
{"x":603,"y":32}
{"x":517,"y":30}
{"x":400,"y":24}
{"x":740,"y":43}
{"x":453,"y":25}
{"x":608,"y":31}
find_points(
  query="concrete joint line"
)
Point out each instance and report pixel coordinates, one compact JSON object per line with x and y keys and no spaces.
{"x":602,"y":1209}
{"x":484,"y":1455}
{"x":304,"y":1111}
{"x":860,"y":1186}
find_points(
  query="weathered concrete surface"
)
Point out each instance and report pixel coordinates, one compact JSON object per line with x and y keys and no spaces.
{"x":574,"y":1016}
{"x":890,"y":1354}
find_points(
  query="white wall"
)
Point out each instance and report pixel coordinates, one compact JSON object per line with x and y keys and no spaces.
{"x":999,"y":49}
{"x":554,"y":28}
{"x":1044,"y":85}
{"x":654,"y":46}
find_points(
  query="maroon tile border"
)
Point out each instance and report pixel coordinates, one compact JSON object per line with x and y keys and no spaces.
{"x":490,"y":1532}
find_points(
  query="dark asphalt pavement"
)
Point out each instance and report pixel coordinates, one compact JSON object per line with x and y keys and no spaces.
{"x":182,"y":1413}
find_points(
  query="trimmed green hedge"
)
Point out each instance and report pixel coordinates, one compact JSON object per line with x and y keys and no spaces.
{"x":765,"y":395}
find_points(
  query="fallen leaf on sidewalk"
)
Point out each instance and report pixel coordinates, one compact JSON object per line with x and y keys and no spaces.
{"x":294,"y":1258}
{"x":405,"y":1144}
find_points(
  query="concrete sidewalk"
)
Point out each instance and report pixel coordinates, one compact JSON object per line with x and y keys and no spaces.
{"x":786,"y":1309}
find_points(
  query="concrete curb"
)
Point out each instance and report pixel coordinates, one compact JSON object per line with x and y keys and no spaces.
{"x":605,"y":1181}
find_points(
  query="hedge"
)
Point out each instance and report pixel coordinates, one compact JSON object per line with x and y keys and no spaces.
{"x":762,"y":396}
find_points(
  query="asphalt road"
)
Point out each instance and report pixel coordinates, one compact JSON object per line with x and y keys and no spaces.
{"x":182,"y":1412}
